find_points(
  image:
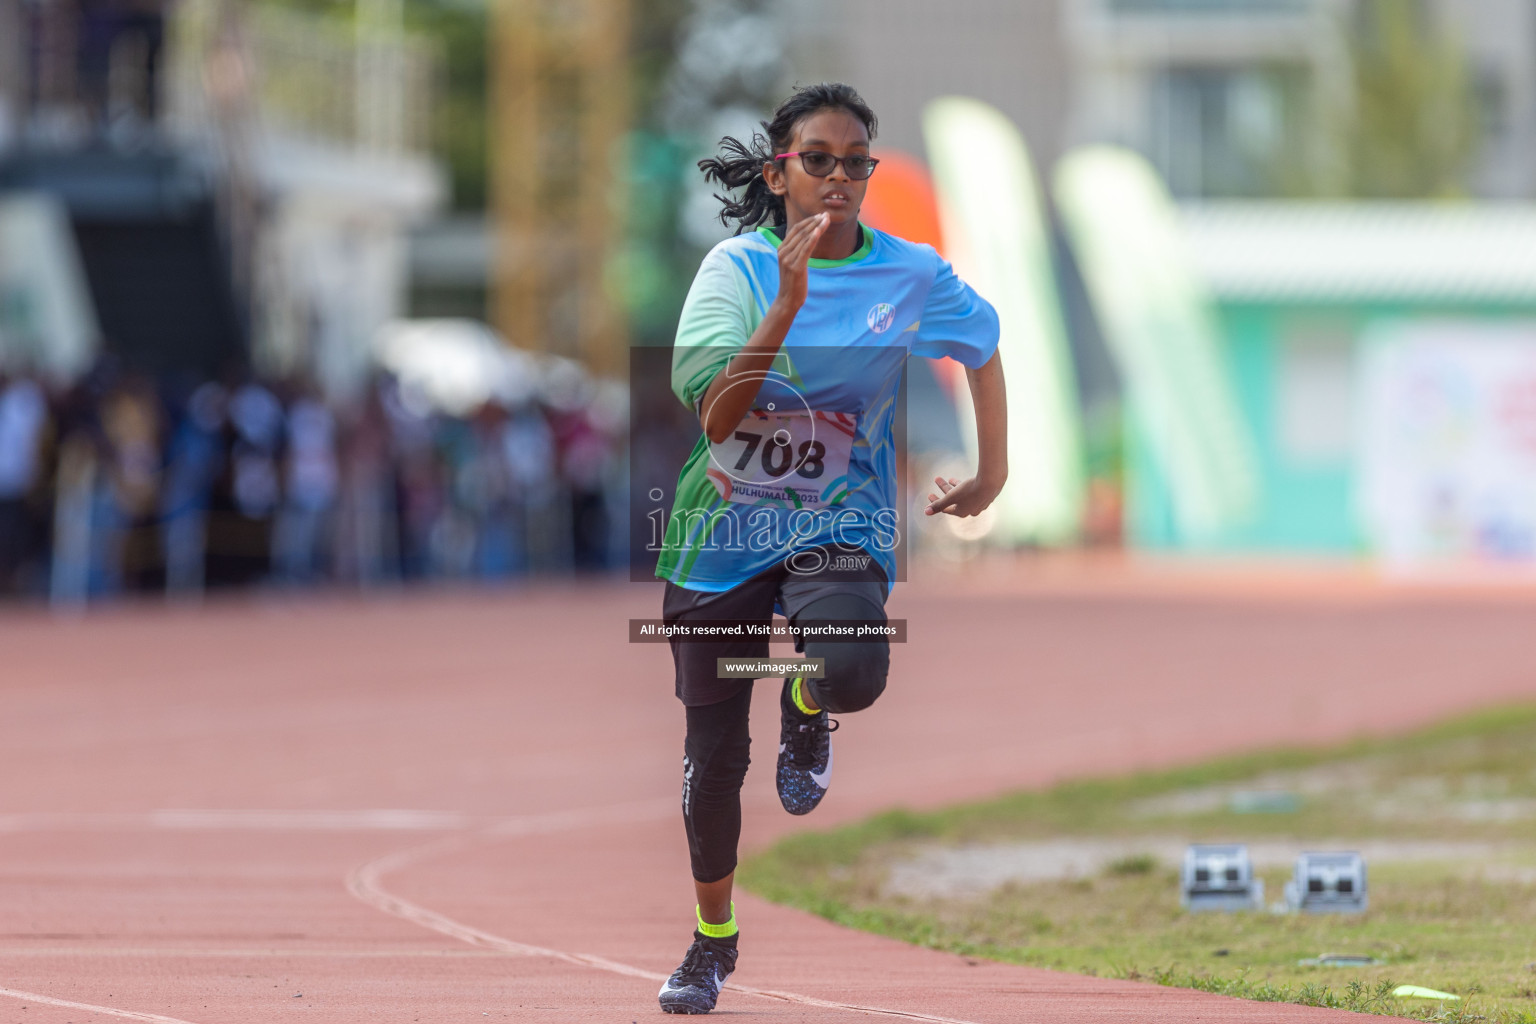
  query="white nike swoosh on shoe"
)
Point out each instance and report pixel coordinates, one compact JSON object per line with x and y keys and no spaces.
{"x":823,"y":778}
{"x":667,"y":986}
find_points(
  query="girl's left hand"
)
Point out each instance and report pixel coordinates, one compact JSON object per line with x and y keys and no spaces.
{"x":966,"y":497}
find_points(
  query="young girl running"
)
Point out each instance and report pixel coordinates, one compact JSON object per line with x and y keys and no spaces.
{"x":790,"y":350}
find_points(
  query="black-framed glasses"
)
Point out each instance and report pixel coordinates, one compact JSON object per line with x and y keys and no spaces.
{"x":819,"y":164}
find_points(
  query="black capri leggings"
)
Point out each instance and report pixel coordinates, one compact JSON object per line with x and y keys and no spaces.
{"x":716,"y":751}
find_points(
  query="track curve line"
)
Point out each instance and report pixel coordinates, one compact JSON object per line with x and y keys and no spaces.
{"x":366,"y":883}
{"x":33,"y":997}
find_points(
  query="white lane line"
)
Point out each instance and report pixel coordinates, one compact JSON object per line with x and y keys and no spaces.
{"x":366,"y":883}
{"x":243,"y":954}
{"x":331,"y":821}
{"x":381,"y":820}
{"x":33,"y":997}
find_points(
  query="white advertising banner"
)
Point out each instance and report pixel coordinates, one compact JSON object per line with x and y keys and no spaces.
{"x":1447,"y":444}
{"x":47,"y":317}
{"x":996,"y":236}
{"x":1159,"y":321}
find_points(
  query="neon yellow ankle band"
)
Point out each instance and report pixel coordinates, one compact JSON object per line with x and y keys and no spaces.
{"x":794,"y":694}
{"x":716,"y":931}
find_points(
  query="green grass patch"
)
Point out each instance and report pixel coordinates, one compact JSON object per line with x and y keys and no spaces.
{"x":1465,"y":925}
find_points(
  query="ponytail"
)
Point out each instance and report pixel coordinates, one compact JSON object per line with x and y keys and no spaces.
{"x":738,"y":166}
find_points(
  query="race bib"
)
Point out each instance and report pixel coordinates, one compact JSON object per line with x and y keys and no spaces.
{"x":793,"y":460}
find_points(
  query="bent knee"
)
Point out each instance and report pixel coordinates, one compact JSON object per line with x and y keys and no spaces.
{"x":855,"y":676}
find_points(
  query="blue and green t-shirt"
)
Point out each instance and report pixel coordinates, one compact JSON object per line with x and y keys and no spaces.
{"x":813,"y":462}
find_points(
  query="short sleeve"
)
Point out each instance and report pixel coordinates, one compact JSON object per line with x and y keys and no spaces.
{"x":715,"y":324}
{"x":956,"y":321}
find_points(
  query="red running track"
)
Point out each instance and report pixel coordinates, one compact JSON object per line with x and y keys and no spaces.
{"x":462,"y":806}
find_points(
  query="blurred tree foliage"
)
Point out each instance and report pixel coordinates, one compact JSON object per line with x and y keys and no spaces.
{"x":646,"y":272}
{"x":1416,"y":124}
{"x":461,"y":128}
{"x":1409,"y":125}
{"x":699,"y":65}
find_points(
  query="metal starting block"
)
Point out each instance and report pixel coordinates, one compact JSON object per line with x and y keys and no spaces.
{"x":1328,"y":883}
{"x":1220,"y":877}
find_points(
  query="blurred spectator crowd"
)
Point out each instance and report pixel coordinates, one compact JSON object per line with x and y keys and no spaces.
{"x":119,"y":483}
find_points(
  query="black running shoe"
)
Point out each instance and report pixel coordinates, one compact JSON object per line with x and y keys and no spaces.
{"x":694,"y":986}
{"x":805,"y":755}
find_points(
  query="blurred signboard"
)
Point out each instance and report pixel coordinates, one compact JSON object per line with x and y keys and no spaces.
{"x":1447,"y":448}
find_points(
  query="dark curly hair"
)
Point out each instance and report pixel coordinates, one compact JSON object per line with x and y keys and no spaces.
{"x":741,"y":165}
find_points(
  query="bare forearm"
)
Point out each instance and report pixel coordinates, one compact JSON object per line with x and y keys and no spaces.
{"x":990,"y":398}
{"x":731,"y":393}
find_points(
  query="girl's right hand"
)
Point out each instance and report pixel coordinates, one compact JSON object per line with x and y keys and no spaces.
{"x":794,"y":257}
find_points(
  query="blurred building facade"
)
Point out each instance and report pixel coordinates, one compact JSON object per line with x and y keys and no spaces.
{"x":1209,"y":92}
{"x":900,"y":54}
{"x":1501,"y":39}
{"x":1212,"y":91}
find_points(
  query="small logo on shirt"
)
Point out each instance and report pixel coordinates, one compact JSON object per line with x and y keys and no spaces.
{"x":881,"y":317}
